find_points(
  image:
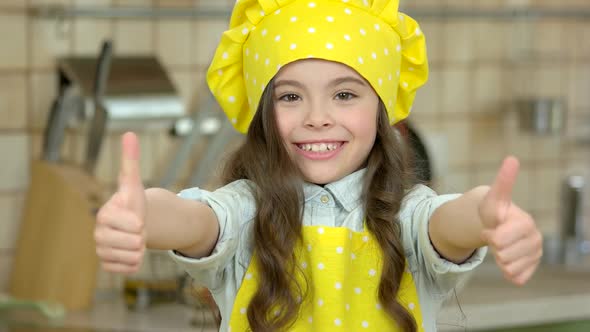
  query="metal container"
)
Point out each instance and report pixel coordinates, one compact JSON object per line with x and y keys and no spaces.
{"x":543,"y":116}
{"x":572,"y":235}
{"x":138,"y":92}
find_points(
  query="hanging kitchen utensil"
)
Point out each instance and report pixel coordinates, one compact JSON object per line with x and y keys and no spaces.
{"x":99,"y":119}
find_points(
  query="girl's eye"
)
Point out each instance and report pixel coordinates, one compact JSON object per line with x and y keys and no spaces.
{"x":344,"y":95}
{"x":291,"y":97}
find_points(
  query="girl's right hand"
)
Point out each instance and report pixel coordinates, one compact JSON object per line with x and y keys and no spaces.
{"x":120,"y":232}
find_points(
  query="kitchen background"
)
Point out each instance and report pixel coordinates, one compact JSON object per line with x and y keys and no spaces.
{"x":479,"y":68}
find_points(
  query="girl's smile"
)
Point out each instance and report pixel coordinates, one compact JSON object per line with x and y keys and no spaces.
{"x":326,"y":114}
{"x":320,"y":150}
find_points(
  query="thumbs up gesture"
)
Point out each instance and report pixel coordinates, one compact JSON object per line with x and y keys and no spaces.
{"x":119,"y":233}
{"x":509,"y":231}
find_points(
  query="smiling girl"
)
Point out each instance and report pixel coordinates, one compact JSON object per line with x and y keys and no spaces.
{"x":319,"y":226}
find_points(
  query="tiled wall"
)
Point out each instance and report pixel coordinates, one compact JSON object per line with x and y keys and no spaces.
{"x":478,"y":68}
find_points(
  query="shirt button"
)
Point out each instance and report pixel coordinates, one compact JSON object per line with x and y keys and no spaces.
{"x":325,"y":199}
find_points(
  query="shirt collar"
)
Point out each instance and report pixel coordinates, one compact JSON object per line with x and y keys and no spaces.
{"x":346,"y":191}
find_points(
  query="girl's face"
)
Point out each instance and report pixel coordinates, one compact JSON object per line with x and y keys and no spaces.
{"x":327,"y":116}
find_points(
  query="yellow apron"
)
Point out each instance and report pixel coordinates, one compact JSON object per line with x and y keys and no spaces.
{"x":343,"y":268}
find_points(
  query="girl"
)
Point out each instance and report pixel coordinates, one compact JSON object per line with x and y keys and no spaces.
{"x":319,"y":226}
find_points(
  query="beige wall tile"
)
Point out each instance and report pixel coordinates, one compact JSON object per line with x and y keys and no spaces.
{"x":548,"y":39}
{"x":13,"y":100}
{"x":548,"y":80}
{"x":583,"y":33}
{"x":13,"y":33}
{"x":547,"y":148}
{"x":92,"y":2}
{"x":50,"y":2}
{"x":434,"y":40}
{"x":43,"y":93}
{"x":458,"y":134}
{"x":460,"y":3}
{"x":190,"y":85}
{"x":5,"y":268}
{"x":518,"y":143}
{"x":579,"y":86}
{"x":458,"y":41}
{"x":13,"y":4}
{"x":11,"y":206}
{"x":490,"y":40}
{"x":174,"y":40}
{"x":454,"y":182}
{"x":15,"y":170}
{"x":547,"y":186}
{"x":123,"y":3}
{"x":207,"y":36}
{"x":489,"y":93}
{"x":427,"y":101}
{"x":89,"y":35}
{"x":49,"y":41}
{"x":133,"y":37}
{"x":547,"y":222}
{"x":488,"y":143}
{"x":456,"y":89}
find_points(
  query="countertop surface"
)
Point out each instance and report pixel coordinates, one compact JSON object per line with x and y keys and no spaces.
{"x":554,"y":294}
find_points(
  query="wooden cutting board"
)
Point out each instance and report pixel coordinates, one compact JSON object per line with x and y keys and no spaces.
{"x":55,"y":258}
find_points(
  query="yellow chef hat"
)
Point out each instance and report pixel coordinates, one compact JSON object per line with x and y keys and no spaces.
{"x":384,"y":46}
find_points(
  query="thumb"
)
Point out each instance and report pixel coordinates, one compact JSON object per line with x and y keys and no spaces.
{"x":495,"y":204}
{"x":130,"y":184}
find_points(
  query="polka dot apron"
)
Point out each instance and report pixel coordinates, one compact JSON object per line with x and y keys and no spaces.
{"x":343,"y":268}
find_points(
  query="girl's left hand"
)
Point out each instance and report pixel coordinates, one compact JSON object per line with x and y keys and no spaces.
{"x":509,"y":231}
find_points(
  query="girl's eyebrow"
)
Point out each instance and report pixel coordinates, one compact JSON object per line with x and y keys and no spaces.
{"x":346,"y":79}
{"x":334,"y":82}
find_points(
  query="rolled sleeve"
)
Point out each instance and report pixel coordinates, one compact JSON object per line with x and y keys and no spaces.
{"x":418,"y":207}
{"x":228,"y":205}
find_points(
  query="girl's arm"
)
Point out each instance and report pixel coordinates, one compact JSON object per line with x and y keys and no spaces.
{"x":187,"y":226}
{"x":134,"y":219}
{"x":487,"y":216}
{"x":455,"y":227}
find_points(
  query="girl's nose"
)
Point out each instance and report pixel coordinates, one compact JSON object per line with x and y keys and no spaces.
{"x":318,"y":116}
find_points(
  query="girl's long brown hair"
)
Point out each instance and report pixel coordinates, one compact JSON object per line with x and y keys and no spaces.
{"x":264,"y":160}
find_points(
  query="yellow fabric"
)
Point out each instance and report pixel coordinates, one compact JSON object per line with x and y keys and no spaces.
{"x":384,"y":46}
{"x":343,"y":269}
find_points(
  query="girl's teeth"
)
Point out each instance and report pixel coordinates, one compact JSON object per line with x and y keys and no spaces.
{"x":322,"y":147}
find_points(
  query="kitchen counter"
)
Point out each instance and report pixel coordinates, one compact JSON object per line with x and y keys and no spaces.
{"x":554,"y":294}
{"x":486,"y":302}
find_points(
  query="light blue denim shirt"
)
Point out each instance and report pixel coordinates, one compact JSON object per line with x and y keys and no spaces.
{"x":337,"y":204}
